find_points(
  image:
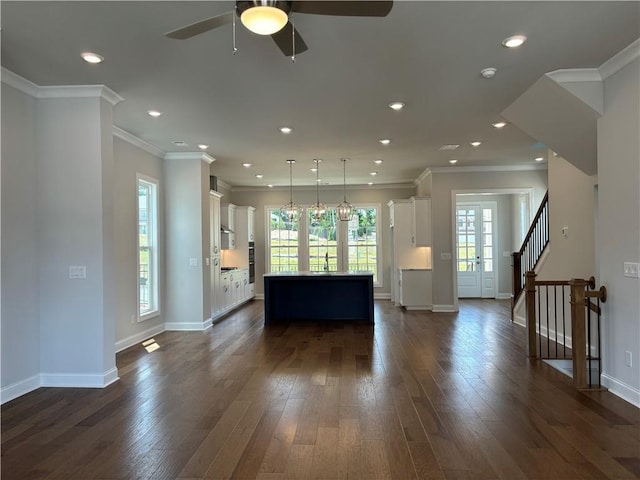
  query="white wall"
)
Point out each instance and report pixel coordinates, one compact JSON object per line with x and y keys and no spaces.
{"x":443,"y":184}
{"x":619,"y":227}
{"x":571,"y":204}
{"x":375,"y":195}
{"x":130,"y":160}
{"x":20,"y":324}
{"x":75,"y":227}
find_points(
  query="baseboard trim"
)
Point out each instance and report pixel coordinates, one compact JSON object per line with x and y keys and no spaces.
{"x":139,"y":337}
{"x":18,"y":389}
{"x":188,"y":326}
{"x":503,"y":296}
{"x":259,"y":296}
{"x":519,"y":320}
{"x":621,"y":389}
{"x":444,"y":308}
{"x":79,"y":380}
{"x":382,"y":296}
{"x":422,"y":308}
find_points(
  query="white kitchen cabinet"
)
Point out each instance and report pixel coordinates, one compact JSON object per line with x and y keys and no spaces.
{"x":415,"y":288}
{"x":225,"y":290}
{"x":214,"y":215}
{"x":421,"y":221}
{"x":251,"y":223}
{"x":228,"y":219}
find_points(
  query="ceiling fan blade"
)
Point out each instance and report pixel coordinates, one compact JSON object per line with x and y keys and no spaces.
{"x":344,"y":8}
{"x":284,"y":41}
{"x":200,"y":27}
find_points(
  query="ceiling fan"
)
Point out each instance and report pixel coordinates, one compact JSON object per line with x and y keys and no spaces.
{"x":271,"y":17}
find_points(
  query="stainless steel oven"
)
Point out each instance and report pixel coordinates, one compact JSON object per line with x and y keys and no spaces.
{"x":252,"y":262}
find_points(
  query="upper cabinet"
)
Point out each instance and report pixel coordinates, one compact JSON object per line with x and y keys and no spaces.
{"x":227,"y":226}
{"x":251,"y":223}
{"x":421,"y":221}
{"x":214,"y":212}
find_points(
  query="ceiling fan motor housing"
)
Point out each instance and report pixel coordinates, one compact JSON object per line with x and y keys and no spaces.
{"x":242,"y":6}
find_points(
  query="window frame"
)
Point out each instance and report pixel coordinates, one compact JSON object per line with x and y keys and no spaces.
{"x":341,"y":235}
{"x":153,"y":233}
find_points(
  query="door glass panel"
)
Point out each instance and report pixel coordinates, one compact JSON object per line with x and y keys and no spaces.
{"x":488,"y":265}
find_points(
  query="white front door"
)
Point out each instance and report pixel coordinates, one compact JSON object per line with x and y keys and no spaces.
{"x":475,"y":242}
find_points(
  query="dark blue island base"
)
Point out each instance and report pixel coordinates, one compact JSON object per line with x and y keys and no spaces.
{"x":290,"y":296}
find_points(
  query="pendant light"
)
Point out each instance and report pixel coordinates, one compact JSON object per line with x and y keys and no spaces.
{"x":318,"y":209}
{"x":345,"y":209}
{"x":291,"y":210}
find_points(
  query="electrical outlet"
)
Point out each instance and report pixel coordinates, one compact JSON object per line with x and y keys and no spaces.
{"x":628,"y":358}
{"x":632,"y":270}
{"x":445,"y":256}
{"x":193,"y":262}
{"x":77,"y":271}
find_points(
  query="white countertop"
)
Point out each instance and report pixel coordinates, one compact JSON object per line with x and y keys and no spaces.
{"x":317,"y":274}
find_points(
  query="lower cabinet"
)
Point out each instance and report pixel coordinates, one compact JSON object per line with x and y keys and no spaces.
{"x":233,"y":290}
{"x":415,"y":289}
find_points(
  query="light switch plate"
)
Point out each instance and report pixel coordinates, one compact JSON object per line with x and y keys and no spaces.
{"x":193,"y":262}
{"x":632,"y":270}
{"x":77,"y":271}
{"x":445,"y":256}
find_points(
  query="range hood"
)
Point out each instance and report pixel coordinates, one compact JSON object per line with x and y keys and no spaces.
{"x":225,"y":229}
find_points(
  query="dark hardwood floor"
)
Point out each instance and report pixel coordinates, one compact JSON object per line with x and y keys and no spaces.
{"x":418,"y":395}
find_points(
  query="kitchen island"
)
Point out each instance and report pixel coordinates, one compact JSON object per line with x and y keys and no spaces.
{"x":290,"y":296}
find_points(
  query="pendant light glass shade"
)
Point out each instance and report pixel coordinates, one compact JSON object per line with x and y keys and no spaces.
{"x":291,"y":210}
{"x":345,"y":209}
{"x":317,"y":209}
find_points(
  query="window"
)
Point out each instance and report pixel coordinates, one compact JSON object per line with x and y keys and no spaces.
{"x":282,"y":242}
{"x":148,"y":304}
{"x":323,"y":241}
{"x":329,"y":244}
{"x":362,"y":241}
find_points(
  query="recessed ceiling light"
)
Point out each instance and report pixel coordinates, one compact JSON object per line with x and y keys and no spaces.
{"x":499,"y":125}
{"x":373,"y":174}
{"x":377,"y":161}
{"x":453,"y":161}
{"x":154,"y":113}
{"x":269,"y":185}
{"x":488,"y":72}
{"x":179,"y":143}
{"x":259,"y":175}
{"x":246,"y":165}
{"x":385,"y":141}
{"x":539,"y":159}
{"x":370,"y":183}
{"x":313,"y":169}
{"x":451,"y":146}
{"x":202,"y":146}
{"x":396,"y":106}
{"x":91,"y":57}
{"x":477,"y":143}
{"x":515,"y":41}
{"x":318,"y":180}
{"x":285,"y":129}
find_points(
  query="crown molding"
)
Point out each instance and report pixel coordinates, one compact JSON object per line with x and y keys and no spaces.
{"x":304,"y":188}
{"x":492,"y":168}
{"x":60,"y":91}
{"x":423,"y":176}
{"x":575,"y":75}
{"x":620,"y":60}
{"x":80,"y":91}
{"x":189,"y":156}
{"x":225,"y":185}
{"x":137,"y":142}
{"x":19,"y":83}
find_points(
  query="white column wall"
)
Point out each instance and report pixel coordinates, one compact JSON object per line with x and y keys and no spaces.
{"x":618,"y":228}
{"x":75,"y":228}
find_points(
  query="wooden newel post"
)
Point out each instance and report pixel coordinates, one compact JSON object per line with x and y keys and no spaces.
{"x":578,"y":332}
{"x":530,"y":303}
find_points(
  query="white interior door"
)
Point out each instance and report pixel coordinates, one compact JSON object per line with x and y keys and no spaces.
{"x":475,"y":246}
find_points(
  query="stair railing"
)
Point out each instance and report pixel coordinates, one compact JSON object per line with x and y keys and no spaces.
{"x":534,"y":243}
{"x":546,"y":324}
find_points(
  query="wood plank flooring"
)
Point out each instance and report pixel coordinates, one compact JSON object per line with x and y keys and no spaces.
{"x":418,"y":395}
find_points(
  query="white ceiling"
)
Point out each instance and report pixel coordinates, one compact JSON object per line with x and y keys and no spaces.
{"x":335,"y":96}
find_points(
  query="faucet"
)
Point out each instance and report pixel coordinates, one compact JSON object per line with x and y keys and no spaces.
{"x":326,"y":262}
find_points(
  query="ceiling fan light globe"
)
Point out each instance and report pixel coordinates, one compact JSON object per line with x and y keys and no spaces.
{"x":264,"y":20}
